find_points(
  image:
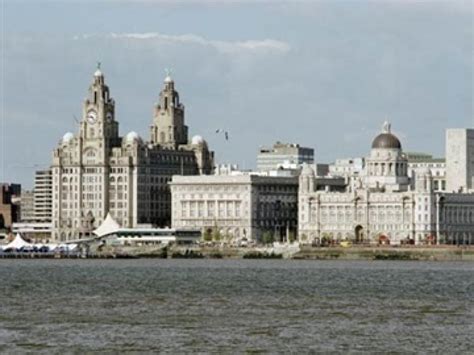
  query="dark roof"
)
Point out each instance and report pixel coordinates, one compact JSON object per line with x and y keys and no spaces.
{"x":386,"y":141}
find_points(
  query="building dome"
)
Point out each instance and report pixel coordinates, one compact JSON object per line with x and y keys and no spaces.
{"x":168,"y":79}
{"x":198,"y":140}
{"x":132,"y":137}
{"x":98,"y":72}
{"x":67,"y":137}
{"x":386,"y":140}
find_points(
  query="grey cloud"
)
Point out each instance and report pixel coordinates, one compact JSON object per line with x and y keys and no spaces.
{"x":327,"y":80}
{"x":227,"y":47}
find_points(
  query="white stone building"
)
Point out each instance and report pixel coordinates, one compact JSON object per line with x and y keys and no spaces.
{"x":96,"y":171}
{"x":460,"y":159}
{"x":352,"y":168}
{"x":238,"y":206}
{"x":385,"y":205}
{"x":437,"y":166}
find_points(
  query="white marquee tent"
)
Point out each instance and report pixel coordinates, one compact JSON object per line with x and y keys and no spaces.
{"x":18,"y":243}
{"x":108,"y":226}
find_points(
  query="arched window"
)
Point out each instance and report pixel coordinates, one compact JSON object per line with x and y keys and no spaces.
{"x":90,"y":155}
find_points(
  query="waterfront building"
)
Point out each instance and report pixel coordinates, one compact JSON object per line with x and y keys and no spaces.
{"x":352,"y":168}
{"x":43,"y":196}
{"x":437,"y":166}
{"x":459,"y":159}
{"x":97,"y":171}
{"x":27,"y":206}
{"x":10,"y":195}
{"x":38,"y":232}
{"x":143,"y":235}
{"x":236,"y":206}
{"x":385,"y":205}
{"x":36,"y":209}
{"x":283,"y":154}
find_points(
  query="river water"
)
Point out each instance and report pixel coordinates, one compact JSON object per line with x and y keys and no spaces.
{"x":229,"y":306}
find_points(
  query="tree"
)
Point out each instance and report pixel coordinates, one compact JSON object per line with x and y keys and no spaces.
{"x":291,"y":236}
{"x":216,"y":235}
{"x":207,"y":236}
{"x":325,"y":240}
{"x":267,"y":237}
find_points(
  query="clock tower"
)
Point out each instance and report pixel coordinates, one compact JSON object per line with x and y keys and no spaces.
{"x":98,"y":115}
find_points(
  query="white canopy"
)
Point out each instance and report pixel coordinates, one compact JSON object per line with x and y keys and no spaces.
{"x":18,"y":243}
{"x":108,"y":226}
{"x":52,"y":246}
{"x":72,"y":247}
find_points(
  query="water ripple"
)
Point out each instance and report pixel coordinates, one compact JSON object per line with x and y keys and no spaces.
{"x":227,"y":306}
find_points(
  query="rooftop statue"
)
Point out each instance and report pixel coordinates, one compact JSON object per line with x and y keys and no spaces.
{"x":386,"y":128}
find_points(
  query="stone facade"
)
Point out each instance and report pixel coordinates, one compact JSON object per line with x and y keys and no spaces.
{"x":238,"y":206}
{"x":352,"y":168}
{"x":455,"y":218}
{"x":347,"y":168}
{"x":460,"y":159}
{"x":43,"y":196}
{"x":385,"y":205}
{"x":27,"y":207}
{"x":437,"y":166}
{"x":97,"y":171}
{"x":283,"y":155}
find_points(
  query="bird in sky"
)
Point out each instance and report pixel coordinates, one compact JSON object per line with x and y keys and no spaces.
{"x":224,"y":132}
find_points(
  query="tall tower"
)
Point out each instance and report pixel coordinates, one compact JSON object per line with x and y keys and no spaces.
{"x":168,"y":128}
{"x":307,"y":204}
{"x":98,"y":114}
{"x":81,"y":166}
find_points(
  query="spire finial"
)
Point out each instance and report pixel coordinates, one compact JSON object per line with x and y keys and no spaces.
{"x":98,"y":72}
{"x":386,"y":128}
{"x":168,"y":75}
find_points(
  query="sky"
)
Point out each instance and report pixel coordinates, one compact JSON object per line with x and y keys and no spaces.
{"x":324,"y":74}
